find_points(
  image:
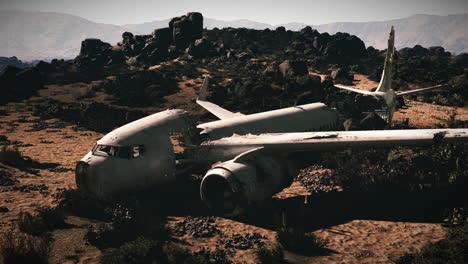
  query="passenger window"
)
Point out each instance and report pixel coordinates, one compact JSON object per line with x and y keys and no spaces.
{"x":138,"y":150}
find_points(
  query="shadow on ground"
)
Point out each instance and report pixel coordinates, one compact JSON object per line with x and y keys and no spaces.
{"x":384,"y":204}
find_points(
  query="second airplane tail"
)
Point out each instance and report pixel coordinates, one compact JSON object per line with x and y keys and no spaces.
{"x":386,"y":79}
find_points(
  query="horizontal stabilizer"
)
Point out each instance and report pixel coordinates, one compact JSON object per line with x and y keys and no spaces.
{"x":353,"y":90}
{"x":215,"y":109}
{"x":420,"y":90}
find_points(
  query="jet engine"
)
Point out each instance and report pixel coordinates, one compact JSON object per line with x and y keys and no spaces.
{"x":236,"y":183}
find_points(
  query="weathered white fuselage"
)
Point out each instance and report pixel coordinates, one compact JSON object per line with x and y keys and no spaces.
{"x":302,"y":118}
{"x":115,"y":169}
{"x":104,"y":173}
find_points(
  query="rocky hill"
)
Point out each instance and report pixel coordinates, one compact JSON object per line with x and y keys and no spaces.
{"x":247,"y":65}
{"x":38,"y":35}
{"x":450,"y":32}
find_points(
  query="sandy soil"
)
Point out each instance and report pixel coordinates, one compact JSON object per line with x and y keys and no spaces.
{"x":425,"y":115}
{"x":367,"y":241}
{"x":355,"y":241}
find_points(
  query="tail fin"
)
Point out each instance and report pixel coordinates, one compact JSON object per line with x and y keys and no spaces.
{"x":386,"y":80}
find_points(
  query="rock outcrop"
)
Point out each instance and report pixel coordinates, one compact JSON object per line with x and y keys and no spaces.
{"x":17,"y":84}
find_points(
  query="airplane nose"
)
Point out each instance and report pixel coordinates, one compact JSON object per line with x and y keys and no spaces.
{"x":82,"y":176}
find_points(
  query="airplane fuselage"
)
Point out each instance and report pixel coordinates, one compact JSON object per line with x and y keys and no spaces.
{"x":303,"y":118}
{"x":111,"y":167}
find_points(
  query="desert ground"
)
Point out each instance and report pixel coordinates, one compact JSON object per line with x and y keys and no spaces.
{"x":59,"y":145}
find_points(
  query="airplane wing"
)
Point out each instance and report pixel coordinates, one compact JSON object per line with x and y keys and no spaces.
{"x":353,"y":90}
{"x":419,"y":90}
{"x":339,"y":140}
{"x":215,"y":109}
{"x":255,"y":174}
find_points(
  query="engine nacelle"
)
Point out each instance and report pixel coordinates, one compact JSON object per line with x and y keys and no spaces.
{"x":233,"y":184}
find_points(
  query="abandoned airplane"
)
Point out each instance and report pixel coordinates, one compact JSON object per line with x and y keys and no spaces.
{"x":254,"y":156}
{"x":385,"y":98}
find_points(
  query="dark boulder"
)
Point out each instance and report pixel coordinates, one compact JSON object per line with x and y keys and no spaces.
{"x":272,"y":70}
{"x":308,"y":86}
{"x":342,"y":75}
{"x":17,"y":84}
{"x":43,"y":67}
{"x":290,"y":68}
{"x":280,"y":29}
{"x":310,"y":82}
{"x":372,"y":121}
{"x":186,"y":29}
{"x":158,"y":55}
{"x":196,"y":20}
{"x":327,"y":83}
{"x":308,"y":31}
{"x":127,"y":35}
{"x":461,"y":60}
{"x":438,"y":51}
{"x":162,"y":37}
{"x":200,"y":48}
{"x":458,"y":90}
{"x":9,"y":75}
{"x":94,"y":54}
{"x":344,"y":48}
{"x":416,"y":51}
{"x":320,"y":41}
{"x":182,"y":33}
{"x":29,"y":80}
{"x":91,"y":46}
{"x":141,"y":88}
{"x":116,"y":58}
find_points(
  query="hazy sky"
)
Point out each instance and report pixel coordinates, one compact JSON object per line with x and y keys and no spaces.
{"x":273,"y":12}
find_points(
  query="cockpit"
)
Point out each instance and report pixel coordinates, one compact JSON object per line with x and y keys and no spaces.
{"x":131,"y":157}
{"x":124,"y":152}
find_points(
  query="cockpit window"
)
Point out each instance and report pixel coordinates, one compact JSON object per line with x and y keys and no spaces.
{"x":104,"y":150}
{"x":118,"y":151}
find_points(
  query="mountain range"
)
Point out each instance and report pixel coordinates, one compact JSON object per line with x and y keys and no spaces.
{"x":42,"y":35}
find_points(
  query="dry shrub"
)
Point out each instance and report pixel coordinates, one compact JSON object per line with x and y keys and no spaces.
{"x":30,"y":224}
{"x":128,"y":222}
{"x":272,"y":254}
{"x":10,"y":155}
{"x":141,"y":250}
{"x":46,"y":219}
{"x":408,"y":167}
{"x":17,"y":247}
{"x":146,"y":250}
{"x":79,"y":203}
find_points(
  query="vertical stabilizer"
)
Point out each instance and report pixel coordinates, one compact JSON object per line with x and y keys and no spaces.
{"x":386,"y":80}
